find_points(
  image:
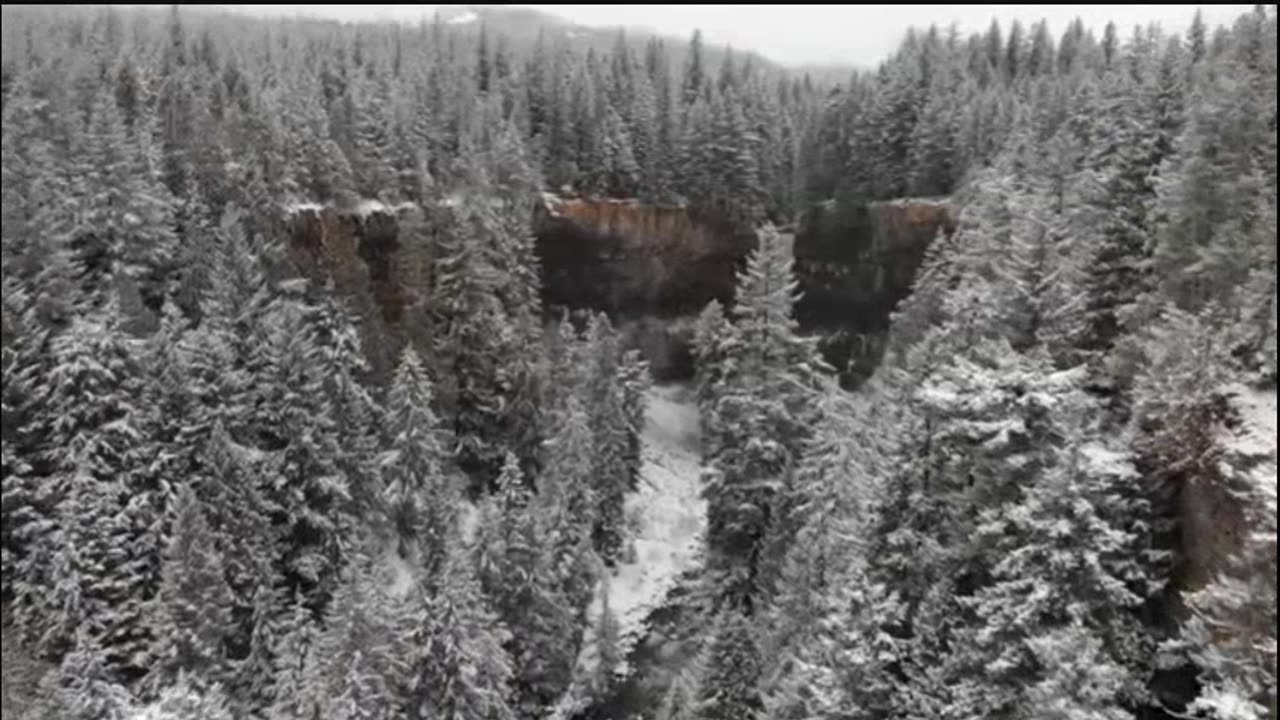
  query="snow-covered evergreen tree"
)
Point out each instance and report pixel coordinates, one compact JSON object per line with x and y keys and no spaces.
{"x":193,"y":608}
{"x":419,"y":497}
{"x":358,"y":664}
{"x":730,"y":686}
{"x":127,"y":218}
{"x":517,"y":575}
{"x":1070,"y":579}
{"x":295,"y":662}
{"x":84,"y":510}
{"x":761,"y":418}
{"x":566,"y":503}
{"x":187,"y":700}
{"x":458,"y":666}
{"x":611,"y":425}
{"x":81,"y":689}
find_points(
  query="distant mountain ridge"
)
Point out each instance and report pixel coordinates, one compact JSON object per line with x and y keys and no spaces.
{"x":520,"y":27}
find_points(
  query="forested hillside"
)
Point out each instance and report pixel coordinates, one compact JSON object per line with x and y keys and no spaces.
{"x":227,"y":493}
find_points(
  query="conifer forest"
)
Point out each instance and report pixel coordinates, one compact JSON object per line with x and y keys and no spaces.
{"x":487,"y":366}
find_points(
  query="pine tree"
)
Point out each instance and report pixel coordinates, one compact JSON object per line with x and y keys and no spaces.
{"x":292,"y":418}
{"x":254,"y":684}
{"x":517,"y":575}
{"x":127,"y":215}
{"x":644,"y":130}
{"x":680,"y":702}
{"x":419,"y":496}
{"x":933,"y":155}
{"x":607,"y":641}
{"x":82,"y":689}
{"x":358,"y":664}
{"x":730,"y":687}
{"x":612,"y":438}
{"x":1081,"y":681}
{"x":458,"y":667}
{"x":729,"y":153}
{"x":816,"y":547}
{"x":1120,"y":271}
{"x":566,"y":501}
{"x":711,"y":335}
{"x":1196,"y":37}
{"x":38,"y":197}
{"x":891,"y":121}
{"x":619,"y":167}
{"x":21,"y":364}
{"x":694,"y":72}
{"x":232,"y":484}
{"x":294,"y":664}
{"x":564,"y":368}
{"x":194,"y":602}
{"x":187,"y":700}
{"x":346,"y":375}
{"x":1182,"y":368}
{"x":978,"y":428}
{"x":633,"y":376}
{"x":1068,"y":578}
{"x":91,"y":450}
{"x":761,"y":420}
{"x":489,"y":337}
{"x":808,"y":645}
{"x":373,"y":144}
{"x":1110,"y":44}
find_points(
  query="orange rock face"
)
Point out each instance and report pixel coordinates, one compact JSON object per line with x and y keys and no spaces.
{"x":635,"y":259}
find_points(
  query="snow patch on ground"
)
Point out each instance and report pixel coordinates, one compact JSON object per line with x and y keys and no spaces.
{"x":1255,"y":438}
{"x":245,"y":453}
{"x":670,"y":514}
{"x":469,"y":520}
{"x":1257,"y":433}
{"x":1106,"y":460}
{"x":401,"y":575}
{"x":365,"y":208}
{"x":298,"y":208}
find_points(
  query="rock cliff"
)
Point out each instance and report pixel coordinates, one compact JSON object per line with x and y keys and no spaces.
{"x":633,"y":259}
{"x":855,"y":263}
{"x":652,"y":268}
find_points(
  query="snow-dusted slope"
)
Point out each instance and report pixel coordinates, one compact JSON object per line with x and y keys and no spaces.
{"x":669,"y":515}
{"x":1255,"y":438}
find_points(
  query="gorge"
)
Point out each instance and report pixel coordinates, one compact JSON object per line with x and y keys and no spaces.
{"x":652,"y":268}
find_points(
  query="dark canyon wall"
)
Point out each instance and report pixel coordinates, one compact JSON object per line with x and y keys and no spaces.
{"x":651,"y":268}
{"x":376,"y":258}
{"x":855,"y":263}
{"x":633,"y":259}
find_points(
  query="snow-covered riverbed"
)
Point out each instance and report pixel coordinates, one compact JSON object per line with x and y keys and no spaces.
{"x":669,"y":516}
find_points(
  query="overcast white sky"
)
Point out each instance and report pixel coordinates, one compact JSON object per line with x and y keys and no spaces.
{"x":796,"y":34}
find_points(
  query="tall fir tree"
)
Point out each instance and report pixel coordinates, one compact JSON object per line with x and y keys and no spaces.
{"x":193,"y":607}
